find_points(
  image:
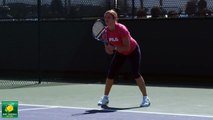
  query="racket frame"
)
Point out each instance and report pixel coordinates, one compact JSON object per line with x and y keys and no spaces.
{"x":100,"y":33}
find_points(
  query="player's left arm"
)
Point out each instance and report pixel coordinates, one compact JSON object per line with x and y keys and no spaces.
{"x":126,"y":44}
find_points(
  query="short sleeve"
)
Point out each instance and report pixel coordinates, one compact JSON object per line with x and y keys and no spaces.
{"x":123,"y":30}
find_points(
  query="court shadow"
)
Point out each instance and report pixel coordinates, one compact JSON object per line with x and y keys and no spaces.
{"x":116,"y":108}
{"x":105,"y":109}
{"x":98,"y":111}
{"x":88,"y":112}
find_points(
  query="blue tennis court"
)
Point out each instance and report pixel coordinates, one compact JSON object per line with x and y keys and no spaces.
{"x":44,"y":112}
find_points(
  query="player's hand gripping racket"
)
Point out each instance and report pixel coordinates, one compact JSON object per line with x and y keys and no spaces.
{"x":98,"y":29}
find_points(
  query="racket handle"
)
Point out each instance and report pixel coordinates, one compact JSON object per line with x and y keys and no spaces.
{"x":115,"y":48}
{"x":104,"y":41}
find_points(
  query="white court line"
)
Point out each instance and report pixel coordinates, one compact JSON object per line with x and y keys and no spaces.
{"x":130,"y":111}
{"x":32,"y":109}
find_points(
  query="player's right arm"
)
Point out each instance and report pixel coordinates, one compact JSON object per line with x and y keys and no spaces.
{"x":108,"y":48}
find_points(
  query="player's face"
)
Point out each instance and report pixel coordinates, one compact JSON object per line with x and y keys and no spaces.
{"x":109,"y":20}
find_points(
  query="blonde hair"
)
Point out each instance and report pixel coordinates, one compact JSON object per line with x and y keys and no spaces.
{"x":113,"y":13}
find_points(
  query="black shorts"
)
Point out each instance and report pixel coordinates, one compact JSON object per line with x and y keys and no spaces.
{"x":118,"y":60}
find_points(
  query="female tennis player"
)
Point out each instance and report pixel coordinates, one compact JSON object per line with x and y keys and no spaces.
{"x":124,"y":47}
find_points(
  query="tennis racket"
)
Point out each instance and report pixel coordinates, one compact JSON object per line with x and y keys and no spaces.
{"x":98,"y":29}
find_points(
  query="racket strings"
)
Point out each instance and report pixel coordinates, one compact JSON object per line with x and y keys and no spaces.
{"x":97,"y":29}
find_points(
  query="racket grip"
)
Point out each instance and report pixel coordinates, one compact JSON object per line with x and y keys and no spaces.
{"x":115,"y":48}
{"x":104,"y":41}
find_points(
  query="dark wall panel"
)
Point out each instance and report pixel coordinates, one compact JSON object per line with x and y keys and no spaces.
{"x":18,"y":46}
{"x":169,"y":47}
{"x":175,"y":46}
{"x":69,"y":46}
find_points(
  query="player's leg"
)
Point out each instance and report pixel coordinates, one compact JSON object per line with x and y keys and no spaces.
{"x":105,"y":99}
{"x":141,"y":84}
{"x":108,"y":86}
{"x":115,"y":64}
{"x":135,"y":59}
